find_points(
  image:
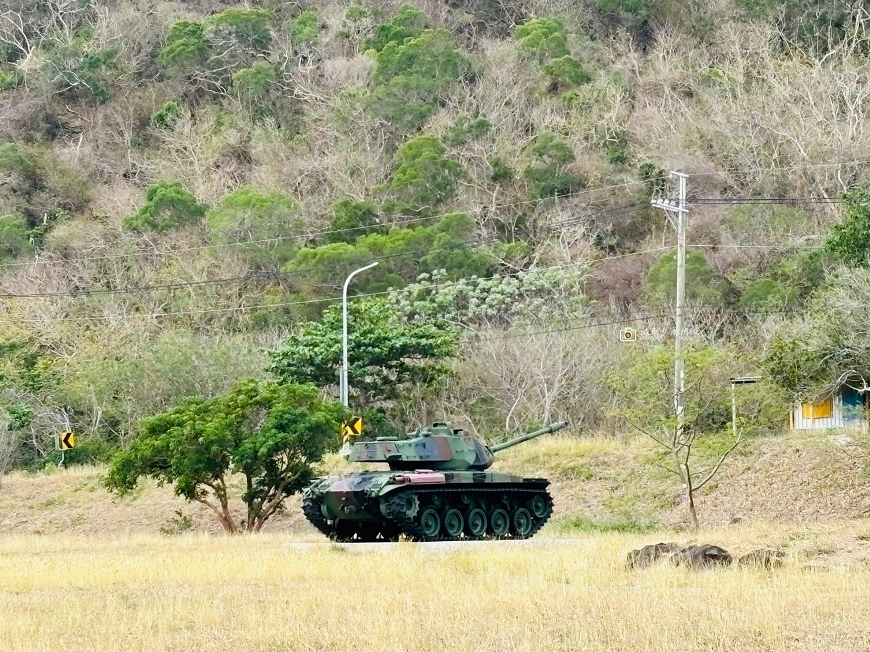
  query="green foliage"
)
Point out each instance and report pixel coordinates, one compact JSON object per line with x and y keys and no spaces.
{"x":387,"y":357}
{"x":79,"y":69}
{"x":424,"y":178}
{"x":211,"y":51}
{"x":270,"y":433}
{"x":352,"y":220}
{"x":565,"y":72}
{"x":186,"y":46}
{"x":254,"y":83}
{"x":702,"y":286}
{"x":13,"y":162}
{"x":14,"y":238}
{"x":413,"y":76}
{"x":765,"y":293}
{"x":404,"y":255}
{"x":304,"y":28}
{"x":500,"y":171}
{"x":166,"y":115}
{"x":408,"y":22}
{"x":465,"y":129}
{"x":549,"y":176}
{"x":167,"y":206}
{"x":268,"y":222}
{"x":850,"y":240}
{"x":245,"y":29}
{"x":542,"y":38}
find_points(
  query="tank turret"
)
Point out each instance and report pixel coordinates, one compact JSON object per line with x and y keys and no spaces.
{"x":439,"y":447}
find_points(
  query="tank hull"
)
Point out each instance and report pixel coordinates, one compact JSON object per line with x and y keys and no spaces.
{"x":427,"y":505}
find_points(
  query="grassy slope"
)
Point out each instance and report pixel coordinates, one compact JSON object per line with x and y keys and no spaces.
{"x":597,"y":484}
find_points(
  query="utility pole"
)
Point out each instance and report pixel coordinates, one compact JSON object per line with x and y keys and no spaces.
{"x":677,"y":213}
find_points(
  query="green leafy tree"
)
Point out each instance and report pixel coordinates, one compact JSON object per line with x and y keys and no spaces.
{"x":565,"y":72}
{"x":549,"y":176}
{"x":270,"y":433}
{"x":387,"y":357}
{"x":827,"y":345}
{"x":850,"y":240}
{"x":352,"y":220}
{"x":186,"y":46}
{"x":167,"y":206}
{"x":413,"y":76}
{"x":409,"y":22}
{"x":404,"y":253}
{"x":208,"y":53}
{"x":268,"y":222}
{"x":766,"y":293}
{"x":702,"y":286}
{"x":542,"y":38}
{"x":254,"y":83}
{"x":304,"y":28}
{"x":424,"y":178}
{"x":643,"y":383}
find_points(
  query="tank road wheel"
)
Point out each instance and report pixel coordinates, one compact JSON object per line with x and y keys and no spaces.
{"x":454,"y":523}
{"x":499,"y":522}
{"x":540,"y":506}
{"x":521,"y":523}
{"x":430,"y":523}
{"x":475,"y":522}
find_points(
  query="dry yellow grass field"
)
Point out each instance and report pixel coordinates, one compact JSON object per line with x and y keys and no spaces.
{"x":81,"y":570}
{"x":266,"y":592}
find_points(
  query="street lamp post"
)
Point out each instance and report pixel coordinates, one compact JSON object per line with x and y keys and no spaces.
{"x":343,"y":373}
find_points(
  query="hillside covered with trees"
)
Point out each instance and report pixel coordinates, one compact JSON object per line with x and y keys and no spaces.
{"x":184,"y":187}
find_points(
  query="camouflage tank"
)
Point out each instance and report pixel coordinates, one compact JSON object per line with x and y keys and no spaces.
{"x":437,"y":488}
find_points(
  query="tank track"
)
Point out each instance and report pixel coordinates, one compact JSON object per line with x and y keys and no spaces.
{"x":312,"y":512}
{"x":407,"y":526}
{"x":411,"y":529}
{"x":352,"y":532}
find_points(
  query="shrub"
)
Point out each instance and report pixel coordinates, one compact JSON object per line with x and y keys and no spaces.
{"x":166,"y":115}
{"x":14,"y":238}
{"x":412,"y":77}
{"x":702,"y":286}
{"x":353,"y":219}
{"x":566,"y":71}
{"x":466,"y":129}
{"x":542,"y":38}
{"x":765,"y":293}
{"x":404,"y":255}
{"x":549,"y":176}
{"x":408,"y":22}
{"x":500,"y":171}
{"x":850,"y":240}
{"x":167,"y":206}
{"x":252,"y":84}
{"x":424,"y":178}
{"x":304,"y":28}
{"x":269,"y":220}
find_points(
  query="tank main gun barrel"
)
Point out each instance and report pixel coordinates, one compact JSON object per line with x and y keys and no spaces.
{"x":553,"y":427}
